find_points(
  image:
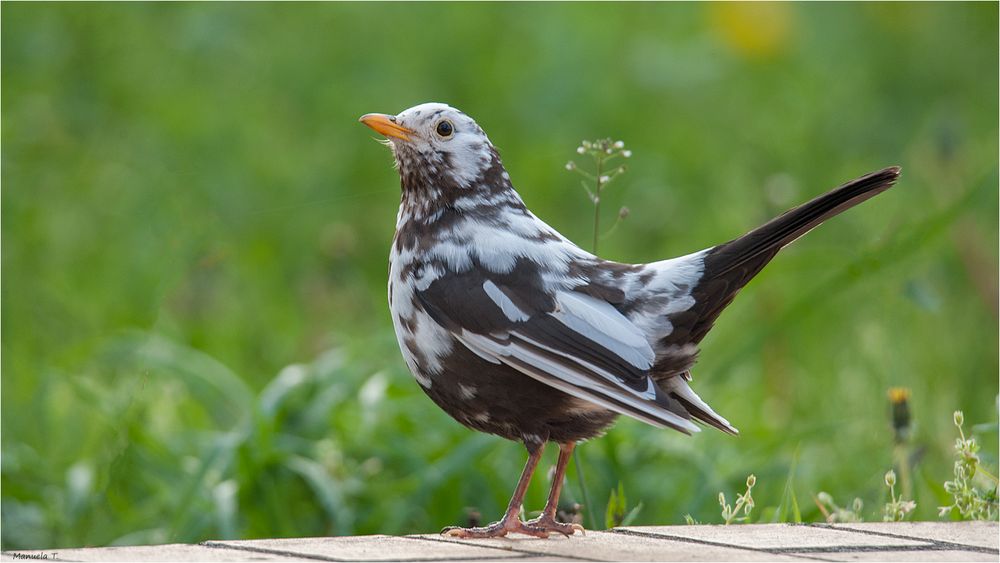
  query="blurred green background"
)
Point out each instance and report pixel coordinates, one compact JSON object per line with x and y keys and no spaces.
{"x":196,"y":342}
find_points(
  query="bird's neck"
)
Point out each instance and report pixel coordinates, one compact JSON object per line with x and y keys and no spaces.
{"x":431,"y":207}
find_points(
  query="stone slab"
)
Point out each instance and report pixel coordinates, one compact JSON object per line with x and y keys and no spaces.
{"x":979,"y":534}
{"x":921,"y":541}
{"x":891,"y":556}
{"x":608,"y":546}
{"x":788,"y":537}
{"x":369,"y":548}
{"x":171,"y":552}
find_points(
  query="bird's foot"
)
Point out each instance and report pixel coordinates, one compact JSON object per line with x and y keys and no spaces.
{"x":512,"y":525}
{"x":549,"y":524}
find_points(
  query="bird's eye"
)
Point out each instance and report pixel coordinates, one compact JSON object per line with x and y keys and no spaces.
{"x":445,"y":129}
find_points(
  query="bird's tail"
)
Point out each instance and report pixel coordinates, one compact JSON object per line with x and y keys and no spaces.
{"x":755,"y":249}
{"x":730,"y":266}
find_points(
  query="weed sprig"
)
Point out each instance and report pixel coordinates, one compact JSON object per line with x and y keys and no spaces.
{"x":835,"y":513}
{"x":605,"y":154}
{"x":897,"y":508}
{"x":744,"y":504}
{"x":970,"y":502}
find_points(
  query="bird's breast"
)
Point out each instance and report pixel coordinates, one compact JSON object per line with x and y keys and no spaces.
{"x":422,"y":341}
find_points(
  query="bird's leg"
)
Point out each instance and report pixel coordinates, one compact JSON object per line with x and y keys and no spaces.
{"x":510,"y":523}
{"x":547,"y":521}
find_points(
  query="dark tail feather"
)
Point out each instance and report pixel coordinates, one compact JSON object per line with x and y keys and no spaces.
{"x":730,"y":266}
{"x":770,"y":237}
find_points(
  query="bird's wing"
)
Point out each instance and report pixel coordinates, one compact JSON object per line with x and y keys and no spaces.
{"x":570,"y":340}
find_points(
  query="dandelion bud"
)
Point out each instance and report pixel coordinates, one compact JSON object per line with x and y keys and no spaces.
{"x":751,"y":481}
{"x":890,"y":478}
{"x":619,"y":145}
{"x":900,"y":408}
{"x":627,"y":154}
{"x":571,"y":165}
{"x":959,"y":418}
{"x":580,"y":150}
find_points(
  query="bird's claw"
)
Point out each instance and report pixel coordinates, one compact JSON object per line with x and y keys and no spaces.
{"x":499,"y":530}
{"x":549,"y":524}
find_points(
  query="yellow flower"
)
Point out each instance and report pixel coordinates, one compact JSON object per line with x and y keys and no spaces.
{"x":752,"y":29}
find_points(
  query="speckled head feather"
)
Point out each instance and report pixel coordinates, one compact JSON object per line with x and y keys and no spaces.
{"x":444,"y":159}
{"x":447,"y":147}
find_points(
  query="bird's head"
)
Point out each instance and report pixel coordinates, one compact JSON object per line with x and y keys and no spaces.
{"x":435,"y":144}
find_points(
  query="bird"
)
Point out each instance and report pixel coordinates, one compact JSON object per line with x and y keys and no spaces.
{"x":514,"y":330}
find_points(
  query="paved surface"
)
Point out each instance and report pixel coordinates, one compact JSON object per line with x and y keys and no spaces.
{"x":919,"y":541}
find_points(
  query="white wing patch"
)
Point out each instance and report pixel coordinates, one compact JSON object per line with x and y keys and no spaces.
{"x":602,"y":323}
{"x":498,"y":247}
{"x":674,"y":278}
{"x":510,"y":310}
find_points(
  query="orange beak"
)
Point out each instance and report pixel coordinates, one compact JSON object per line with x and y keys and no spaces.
{"x":386,"y":125}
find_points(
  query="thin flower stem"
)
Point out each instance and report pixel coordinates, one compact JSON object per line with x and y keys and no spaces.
{"x":985,"y":473}
{"x":613,"y":228}
{"x":597,"y":201}
{"x":903,"y":461}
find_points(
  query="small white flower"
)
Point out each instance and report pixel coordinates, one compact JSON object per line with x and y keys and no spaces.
{"x":570,"y":165}
{"x":608,"y":151}
{"x":580,"y":150}
{"x":626,"y":154}
{"x":619,"y":145}
{"x":605,"y":179}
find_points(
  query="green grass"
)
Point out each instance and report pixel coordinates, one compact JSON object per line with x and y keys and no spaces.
{"x":195,"y":228}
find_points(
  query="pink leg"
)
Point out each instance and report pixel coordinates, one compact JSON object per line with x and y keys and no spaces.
{"x":510,"y":523}
{"x":547,"y":521}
